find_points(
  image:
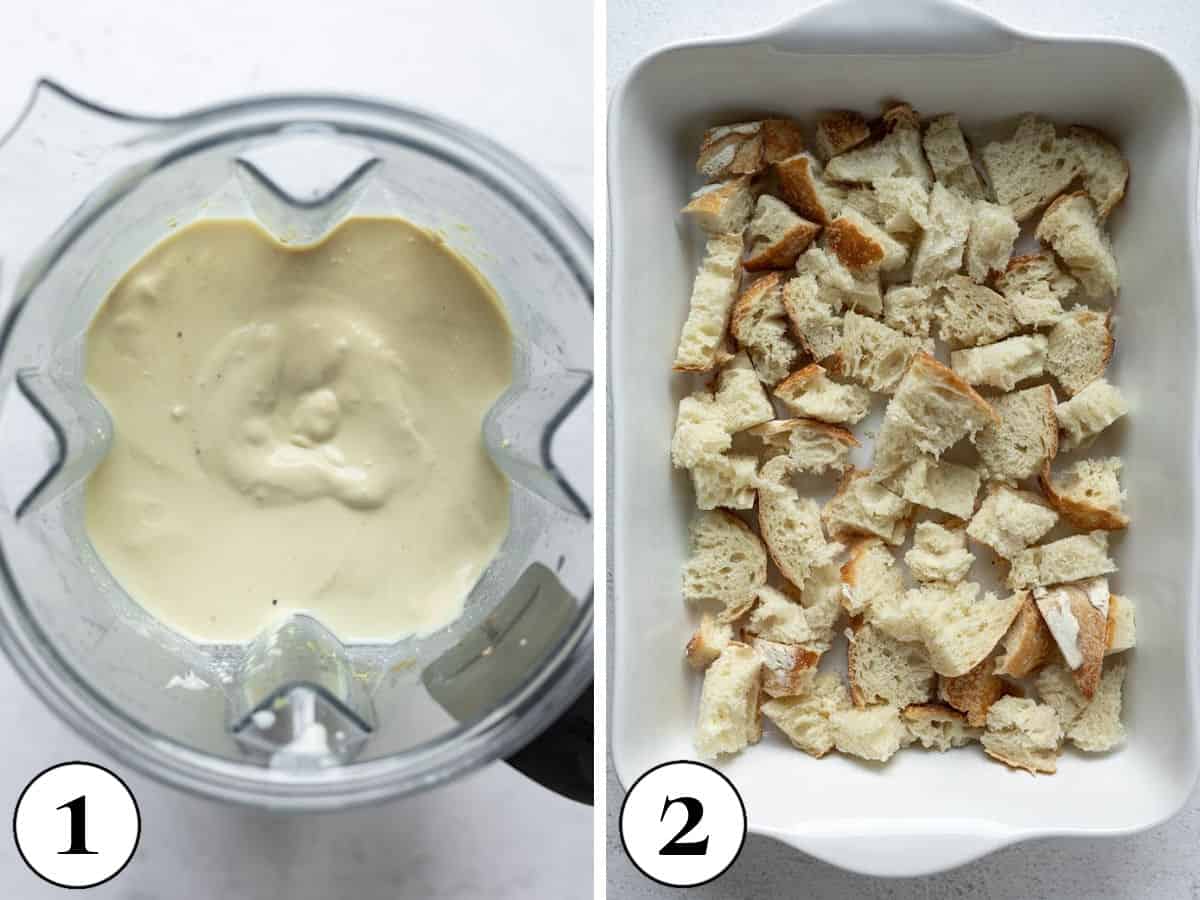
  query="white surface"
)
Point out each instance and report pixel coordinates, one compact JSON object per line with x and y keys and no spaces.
{"x":484,"y":835}
{"x":636,"y":28}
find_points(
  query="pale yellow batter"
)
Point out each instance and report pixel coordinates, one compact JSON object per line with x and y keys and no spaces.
{"x":299,"y":429}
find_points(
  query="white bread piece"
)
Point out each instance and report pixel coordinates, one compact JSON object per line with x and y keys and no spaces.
{"x":801,"y":184}
{"x":709,"y":640}
{"x":729,"y":719}
{"x":813,"y":316}
{"x":700,"y":432}
{"x":946,"y":150}
{"x":1084,"y":416}
{"x":788,"y":670}
{"x":760,"y":326}
{"x":727,"y":563}
{"x":939,"y":252}
{"x":899,"y":205}
{"x":723,"y":208}
{"x":1105,"y":170}
{"x":1009,"y":520}
{"x":1056,"y":688}
{"x":909,"y":308}
{"x":1023,"y":734}
{"x":1078,"y":626}
{"x":971,"y":314}
{"x":939,"y":485}
{"x":777,"y":235}
{"x":1031,"y":168}
{"x":812,"y":446}
{"x":1088,"y":494}
{"x":862,"y":506}
{"x":777,"y":617}
{"x":821,"y":599}
{"x":882,"y":669}
{"x":990,"y":242}
{"x":939,"y":554}
{"x":1098,"y":727}
{"x":1080,"y":347}
{"x":747,"y":148}
{"x":897,"y":154}
{"x":861,"y":245}
{"x":930,"y":412}
{"x":839,"y":286}
{"x":1036,"y":287}
{"x":870,"y":573}
{"x":1002,"y":365}
{"x":938,"y":727}
{"x":791,"y":525}
{"x":740,"y":396}
{"x":1024,"y":438}
{"x":1073,"y":558}
{"x":902,"y":614}
{"x":725,"y":481}
{"x":959,"y":630}
{"x":973,"y":693}
{"x":1121,"y":633}
{"x":838,"y":131}
{"x":1095,"y":725}
{"x":811,"y":394}
{"x":1070,"y":226}
{"x":873,"y":354}
{"x":874,"y":733}
{"x":1028,"y":645}
{"x":805,"y":720}
{"x":713,"y":293}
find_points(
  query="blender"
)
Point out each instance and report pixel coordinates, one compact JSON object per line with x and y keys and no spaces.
{"x":294,"y":719}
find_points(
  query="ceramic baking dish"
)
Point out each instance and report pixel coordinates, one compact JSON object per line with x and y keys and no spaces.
{"x":922,"y":812}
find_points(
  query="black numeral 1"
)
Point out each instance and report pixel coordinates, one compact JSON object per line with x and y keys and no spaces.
{"x":78,"y":810}
{"x":676,"y":847}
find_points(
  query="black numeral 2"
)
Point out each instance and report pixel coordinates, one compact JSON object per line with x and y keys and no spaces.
{"x":676,"y":847}
{"x":78,"y":810}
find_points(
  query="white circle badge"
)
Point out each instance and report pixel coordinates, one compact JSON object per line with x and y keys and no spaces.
{"x":683,"y":823}
{"x":76,"y":825}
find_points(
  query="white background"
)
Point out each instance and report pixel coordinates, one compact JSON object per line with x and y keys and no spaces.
{"x":519,"y":71}
{"x":1163,"y":864}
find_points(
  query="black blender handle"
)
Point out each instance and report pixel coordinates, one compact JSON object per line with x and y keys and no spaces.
{"x":560,"y":758}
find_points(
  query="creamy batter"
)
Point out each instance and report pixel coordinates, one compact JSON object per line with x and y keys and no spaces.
{"x":299,"y":429}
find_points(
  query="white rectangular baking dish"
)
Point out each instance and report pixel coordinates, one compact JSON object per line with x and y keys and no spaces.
{"x":922,"y":812}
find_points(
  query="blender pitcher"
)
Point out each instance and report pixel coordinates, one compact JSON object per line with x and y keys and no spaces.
{"x":294,"y":719}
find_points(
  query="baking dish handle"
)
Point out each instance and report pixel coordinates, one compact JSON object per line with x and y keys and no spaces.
{"x":901,"y":854}
{"x":885,"y":26}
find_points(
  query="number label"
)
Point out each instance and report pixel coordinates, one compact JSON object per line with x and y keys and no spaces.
{"x":695,"y":812}
{"x":78,"y":811}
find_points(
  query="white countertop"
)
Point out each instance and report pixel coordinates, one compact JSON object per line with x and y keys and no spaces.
{"x":1163,"y":863}
{"x":520,"y":72}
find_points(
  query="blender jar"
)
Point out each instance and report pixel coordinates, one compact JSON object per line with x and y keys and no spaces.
{"x":294,"y":719}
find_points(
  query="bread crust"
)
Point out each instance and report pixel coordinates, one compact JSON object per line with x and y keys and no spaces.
{"x":781,"y":138}
{"x":1031,"y":643}
{"x":783,"y":253}
{"x":932,"y":370}
{"x":1084,"y":516}
{"x":855,"y":249}
{"x":1093,"y":640}
{"x":797,"y":186}
{"x":710,"y":202}
{"x":973,"y":693}
{"x":839,"y":131}
{"x":749,"y":298}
